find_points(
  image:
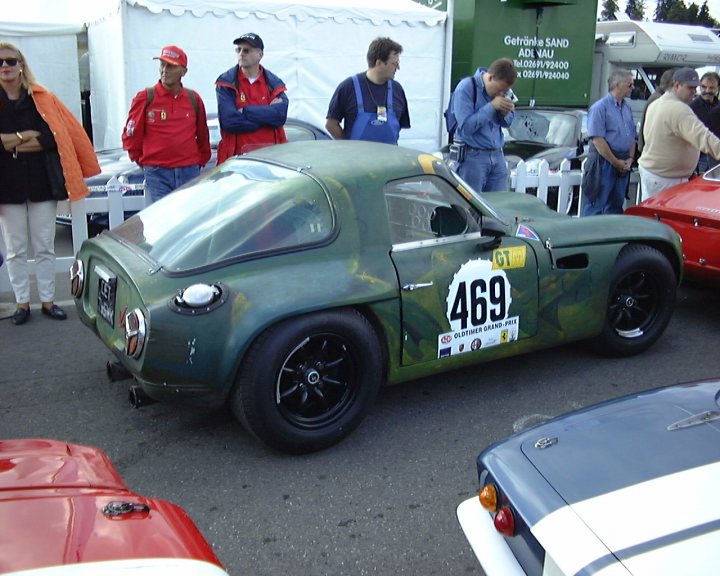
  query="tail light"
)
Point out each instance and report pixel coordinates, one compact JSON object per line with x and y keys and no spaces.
{"x":135,"y":329}
{"x":488,"y":497}
{"x":503,"y":517}
{"x":77,"y":278}
{"x":504,"y":522}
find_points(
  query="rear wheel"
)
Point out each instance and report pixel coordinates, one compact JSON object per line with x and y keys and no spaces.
{"x":306,"y":383}
{"x":641,"y":301}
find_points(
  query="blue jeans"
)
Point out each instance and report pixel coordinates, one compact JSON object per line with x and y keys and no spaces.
{"x":612,"y":188}
{"x":485,"y":170}
{"x":159,"y":182}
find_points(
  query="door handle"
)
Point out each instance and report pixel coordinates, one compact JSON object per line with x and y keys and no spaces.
{"x":411,"y":287}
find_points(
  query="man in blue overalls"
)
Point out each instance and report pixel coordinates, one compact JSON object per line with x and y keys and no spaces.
{"x":371,"y":105}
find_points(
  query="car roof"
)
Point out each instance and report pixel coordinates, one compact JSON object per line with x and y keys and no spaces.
{"x":335,"y":158}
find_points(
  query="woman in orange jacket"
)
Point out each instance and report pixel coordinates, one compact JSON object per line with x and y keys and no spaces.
{"x":45,"y":155}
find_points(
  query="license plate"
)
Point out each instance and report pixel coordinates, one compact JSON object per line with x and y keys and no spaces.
{"x":107,"y":285}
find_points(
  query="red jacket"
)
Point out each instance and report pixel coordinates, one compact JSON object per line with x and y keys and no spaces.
{"x":77,"y":154}
{"x":167,"y":133}
{"x":248,"y":120}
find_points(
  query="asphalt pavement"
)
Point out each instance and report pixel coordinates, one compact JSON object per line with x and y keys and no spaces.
{"x":382,"y":501}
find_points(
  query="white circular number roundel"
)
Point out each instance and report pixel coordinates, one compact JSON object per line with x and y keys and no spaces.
{"x":478,"y":295}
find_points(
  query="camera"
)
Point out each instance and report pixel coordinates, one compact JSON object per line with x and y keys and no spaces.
{"x":510,"y":94}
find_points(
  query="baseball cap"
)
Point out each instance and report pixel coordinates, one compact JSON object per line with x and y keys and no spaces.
{"x":173,"y":55}
{"x":251,"y":38}
{"x":686,"y":76}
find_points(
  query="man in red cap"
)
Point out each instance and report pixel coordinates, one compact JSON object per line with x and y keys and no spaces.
{"x":252,"y":104}
{"x":166,"y":130}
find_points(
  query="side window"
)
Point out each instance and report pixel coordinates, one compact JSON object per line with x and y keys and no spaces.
{"x":426,"y":208}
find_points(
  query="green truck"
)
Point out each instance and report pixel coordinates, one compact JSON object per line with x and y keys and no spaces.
{"x":563,"y":54}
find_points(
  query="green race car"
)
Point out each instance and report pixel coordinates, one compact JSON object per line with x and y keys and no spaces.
{"x":294,"y":281}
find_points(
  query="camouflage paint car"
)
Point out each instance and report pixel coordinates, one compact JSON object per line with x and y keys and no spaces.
{"x":292,"y":282}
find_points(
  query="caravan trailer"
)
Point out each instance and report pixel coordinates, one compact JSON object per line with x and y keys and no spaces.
{"x":647,"y":49}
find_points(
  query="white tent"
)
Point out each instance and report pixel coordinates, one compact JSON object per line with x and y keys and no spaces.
{"x":52,"y":52}
{"x":312,"y":45}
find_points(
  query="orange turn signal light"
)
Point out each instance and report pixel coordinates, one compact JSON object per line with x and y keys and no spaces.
{"x":488,"y":497}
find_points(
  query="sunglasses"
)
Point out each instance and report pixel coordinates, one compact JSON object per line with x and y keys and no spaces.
{"x":9,"y":61}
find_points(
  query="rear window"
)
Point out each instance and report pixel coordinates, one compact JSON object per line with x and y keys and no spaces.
{"x":242,"y":208}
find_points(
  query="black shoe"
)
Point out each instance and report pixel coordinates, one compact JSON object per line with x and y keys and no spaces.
{"x":54,"y":312}
{"x":21,"y":316}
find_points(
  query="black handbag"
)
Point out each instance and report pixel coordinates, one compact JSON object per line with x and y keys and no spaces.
{"x":55,"y":175}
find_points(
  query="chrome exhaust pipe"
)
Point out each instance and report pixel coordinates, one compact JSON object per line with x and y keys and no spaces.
{"x":138,"y":398}
{"x":116,"y":371}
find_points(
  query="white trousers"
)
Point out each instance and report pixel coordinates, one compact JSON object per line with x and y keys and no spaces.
{"x":23,"y":225}
{"x":652,"y":184}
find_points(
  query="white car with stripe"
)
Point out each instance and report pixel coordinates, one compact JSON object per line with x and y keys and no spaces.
{"x":629,"y":486}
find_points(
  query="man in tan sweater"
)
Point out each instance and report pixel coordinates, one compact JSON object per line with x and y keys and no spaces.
{"x":674,"y":137}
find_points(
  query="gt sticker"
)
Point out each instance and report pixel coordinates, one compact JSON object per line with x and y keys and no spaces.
{"x":512,"y":257}
{"x":478,"y":304}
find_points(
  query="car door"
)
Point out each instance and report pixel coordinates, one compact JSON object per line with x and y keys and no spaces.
{"x":462,"y":291}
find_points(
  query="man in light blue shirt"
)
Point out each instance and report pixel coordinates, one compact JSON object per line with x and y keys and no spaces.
{"x":482,"y":112}
{"x":612,"y":150}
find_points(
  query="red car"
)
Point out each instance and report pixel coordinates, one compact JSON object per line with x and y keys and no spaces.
{"x":65,"y":510}
{"x":693,"y":210}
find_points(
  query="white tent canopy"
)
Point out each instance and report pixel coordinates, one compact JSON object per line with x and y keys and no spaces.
{"x":51,"y":51}
{"x":312,"y":45}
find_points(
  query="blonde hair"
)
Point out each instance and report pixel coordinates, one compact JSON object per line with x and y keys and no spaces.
{"x":26,"y":76}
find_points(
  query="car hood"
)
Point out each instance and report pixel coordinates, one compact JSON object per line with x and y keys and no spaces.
{"x":55,"y":509}
{"x":115,"y":162}
{"x":644,"y":473}
{"x":139,"y":567}
{"x":698,"y":198}
{"x":562,"y":230}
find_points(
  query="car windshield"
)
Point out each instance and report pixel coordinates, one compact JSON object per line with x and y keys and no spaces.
{"x":546,"y":127}
{"x":240,"y":209}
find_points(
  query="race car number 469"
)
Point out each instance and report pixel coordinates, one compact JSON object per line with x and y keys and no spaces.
{"x":478,"y":304}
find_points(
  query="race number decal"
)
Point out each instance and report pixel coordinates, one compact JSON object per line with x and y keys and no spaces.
{"x":478,"y":307}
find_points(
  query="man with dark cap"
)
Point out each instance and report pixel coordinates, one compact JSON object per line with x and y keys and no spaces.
{"x":166,"y":130}
{"x":674,"y":137}
{"x":252,"y":104}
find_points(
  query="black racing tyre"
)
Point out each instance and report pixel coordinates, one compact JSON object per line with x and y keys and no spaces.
{"x":640,"y":303}
{"x":306,"y":383}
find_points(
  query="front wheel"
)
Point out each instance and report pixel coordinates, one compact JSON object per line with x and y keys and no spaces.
{"x":640,"y":303}
{"x":306,"y":383}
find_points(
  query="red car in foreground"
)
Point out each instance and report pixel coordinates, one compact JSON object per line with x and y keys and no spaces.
{"x":65,"y":510}
{"x":693,"y":210}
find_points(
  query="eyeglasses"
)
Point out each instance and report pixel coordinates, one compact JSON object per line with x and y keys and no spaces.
{"x":244,"y":50}
{"x":9,"y":61}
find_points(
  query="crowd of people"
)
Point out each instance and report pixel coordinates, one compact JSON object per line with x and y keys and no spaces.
{"x":678,"y":137}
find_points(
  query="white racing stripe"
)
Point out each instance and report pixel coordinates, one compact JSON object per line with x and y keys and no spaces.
{"x":636,"y":521}
{"x":489,"y":546}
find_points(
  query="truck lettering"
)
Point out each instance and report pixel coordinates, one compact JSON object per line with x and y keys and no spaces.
{"x":674,"y":57}
{"x":530,"y":41}
{"x":557,"y":42}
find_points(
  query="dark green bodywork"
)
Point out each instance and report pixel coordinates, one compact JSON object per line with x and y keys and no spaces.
{"x":560,"y":293}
